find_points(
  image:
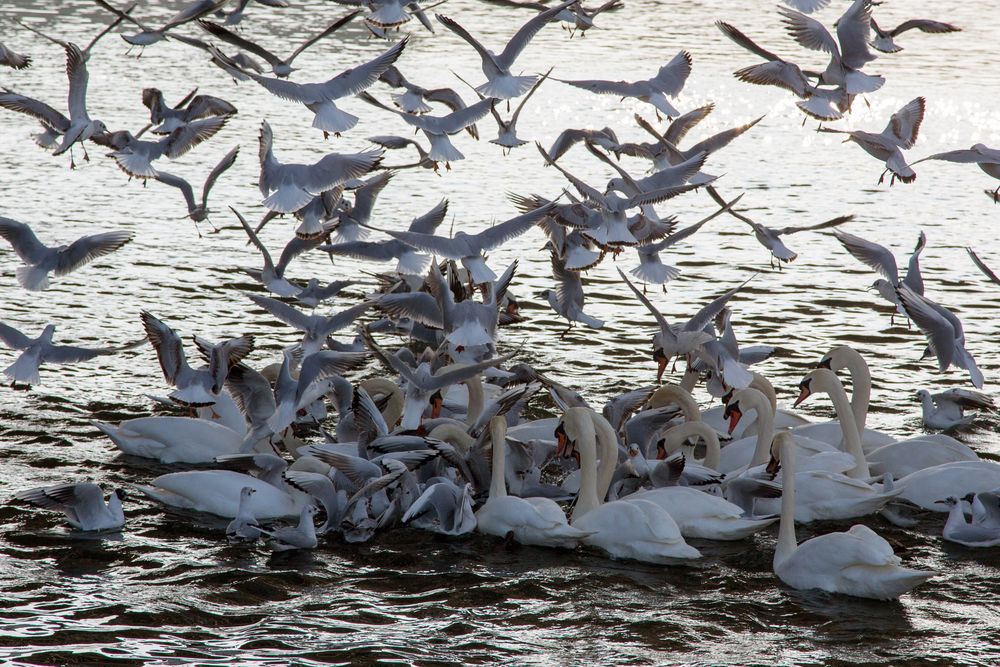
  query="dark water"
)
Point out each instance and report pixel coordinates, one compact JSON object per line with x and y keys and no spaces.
{"x":170,"y":590}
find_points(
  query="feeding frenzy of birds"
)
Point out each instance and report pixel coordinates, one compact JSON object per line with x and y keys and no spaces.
{"x":443,"y":433}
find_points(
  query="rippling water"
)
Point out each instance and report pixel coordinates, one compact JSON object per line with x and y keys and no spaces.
{"x":171,"y":590}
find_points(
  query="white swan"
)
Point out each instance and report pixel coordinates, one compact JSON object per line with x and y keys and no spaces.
{"x":638,"y":529}
{"x":173,"y":439}
{"x":528,"y":522}
{"x":926,"y":487}
{"x":857,"y":562}
{"x":748,"y":425}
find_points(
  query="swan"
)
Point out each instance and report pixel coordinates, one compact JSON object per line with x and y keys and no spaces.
{"x":900,"y":458}
{"x":175,"y":439}
{"x":755,"y":450}
{"x":637,"y":529}
{"x":219,"y":492}
{"x":715,"y":416}
{"x":533,"y":522}
{"x":857,"y":562}
{"x":926,"y":487}
{"x":958,"y":530}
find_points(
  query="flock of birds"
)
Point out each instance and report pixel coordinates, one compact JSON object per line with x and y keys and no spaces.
{"x":441,"y":439}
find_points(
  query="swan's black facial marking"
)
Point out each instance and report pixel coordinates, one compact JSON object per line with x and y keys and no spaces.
{"x":804,"y":391}
{"x":825,"y":362}
{"x":661,"y":449}
{"x":436,"y":400}
{"x":562,"y":441}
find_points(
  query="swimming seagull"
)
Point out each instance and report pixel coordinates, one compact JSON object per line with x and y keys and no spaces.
{"x":289,"y":538}
{"x":437,"y":128}
{"x":988,"y":160}
{"x":37,"y":351}
{"x":879,"y":258}
{"x":567,"y":298}
{"x":469,"y":248}
{"x":289,"y":187}
{"x":770,"y":237}
{"x":944,"y":332}
{"x":194,"y":387}
{"x":946,"y":409}
{"x":83,"y":504}
{"x":282,"y":67}
{"x":973,"y":535}
{"x":500,"y":83}
{"x":320,"y":97}
{"x":669,"y":80}
{"x":885,"y":39}
{"x":40,"y":260}
{"x":198,"y":210}
{"x":901,"y":132}
{"x":244,"y":526}
{"x":13,"y":59}
{"x":982,"y":267}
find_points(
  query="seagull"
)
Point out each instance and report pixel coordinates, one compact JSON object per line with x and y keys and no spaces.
{"x":982,"y":267}
{"x":167,"y":119}
{"x":973,"y":535}
{"x":568,"y":296}
{"x":988,"y":160}
{"x":40,"y":260}
{"x":946,"y":409}
{"x":281,"y":68}
{"x":244,"y":526}
{"x":409,"y":260}
{"x":901,"y":132}
{"x":353,"y":218}
{"x":885,"y":39}
{"x":500,"y":83}
{"x":394,"y":143}
{"x":415,"y":99}
{"x":271,"y":277}
{"x":37,"y":351}
{"x":848,"y":53}
{"x":83,"y":504}
{"x":669,"y":80}
{"x":315,"y":328}
{"x":135,"y":156}
{"x":289,"y":538}
{"x":882,"y":261}
{"x":807,"y":6}
{"x":605,"y":138}
{"x":10,"y":58}
{"x":579,"y":17}
{"x":770,"y":237}
{"x":320,"y":97}
{"x":194,"y":387}
{"x":289,"y":187}
{"x":147,"y":35}
{"x":198,"y":210}
{"x":81,"y":127}
{"x":235,"y":15}
{"x":944,"y":332}
{"x":685,"y":339}
{"x":469,"y":248}
{"x":437,"y":128}
{"x":318,"y":376}
{"x":507,"y":131}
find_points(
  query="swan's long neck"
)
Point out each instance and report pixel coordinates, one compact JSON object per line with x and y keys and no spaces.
{"x":394,"y":407}
{"x":690,"y":380}
{"x":607,"y":445}
{"x":765,"y":425}
{"x":498,"y":436}
{"x":676,"y":437}
{"x":586,"y":443}
{"x":671,"y":393}
{"x":454,"y":435}
{"x":764,"y":386}
{"x":786,"y":529}
{"x":861,"y":387}
{"x":476,"y":399}
{"x":852,"y":436}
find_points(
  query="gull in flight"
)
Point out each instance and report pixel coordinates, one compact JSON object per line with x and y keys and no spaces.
{"x":415,"y":98}
{"x":40,"y":260}
{"x":605,"y":138}
{"x":289,"y":187}
{"x":982,"y":267}
{"x":198,"y":210}
{"x":148,"y":35}
{"x":37,"y":351}
{"x":10,"y":58}
{"x":988,"y":160}
{"x":901,"y":132}
{"x":320,"y":97}
{"x":885,"y":39}
{"x":500,"y":83}
{"x":135,"y":156}
{"x":507,"y":131}
{"x":879,"y":258}
{"x":81,"y":127}
{"x":83,"y":504}
{"x":669,"y":80}
{"x":167,"y":119}
{"x":194,"y":387}
{"x":567,"y":298}
{"x":944,"y":333}
{"x":315,"y":328}
{"x":281,"y":67}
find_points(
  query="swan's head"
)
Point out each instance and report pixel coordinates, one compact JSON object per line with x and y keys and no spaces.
{"x":783,"y":441}
{"x":733,"y":413}
{"x":819,"y":380}
{"x":575,"y":427}
{"x":805,"y":390}
{"x":436,"y":401}
{"x":661,"y":363}
{"x":838,"y":357}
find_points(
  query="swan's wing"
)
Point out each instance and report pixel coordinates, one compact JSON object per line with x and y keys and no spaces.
{"x":89,"y":248}
{"x":872,"y":254}
{"x":23,"y":240}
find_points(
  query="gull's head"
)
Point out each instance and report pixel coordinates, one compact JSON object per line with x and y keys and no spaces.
{"x":247,"y":491}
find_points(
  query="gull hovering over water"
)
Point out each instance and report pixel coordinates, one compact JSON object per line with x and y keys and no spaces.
{"x":148,"y":35}
{"x":198,"y":210}
{"x":136,"y":156}
{"x":507,"y":131}
{"x":81,"y":126}
{"x":981,"y":265}
{"x":944,"y":332}
{"x":37,"y":351}
{"x":40,"y":260}
{"x":885,"y":39}
{"x":281,"y":67}
{"x":315,"y":328}
{"x":567,"y":298}
{"x":500,"y":83}
{"x":901,"y":132}
{"x":879,"y":258}
{"x":83,"y":504}
{"x":13,"y":59}
{"x":191,"y":108}
{"x":988,"y":159}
